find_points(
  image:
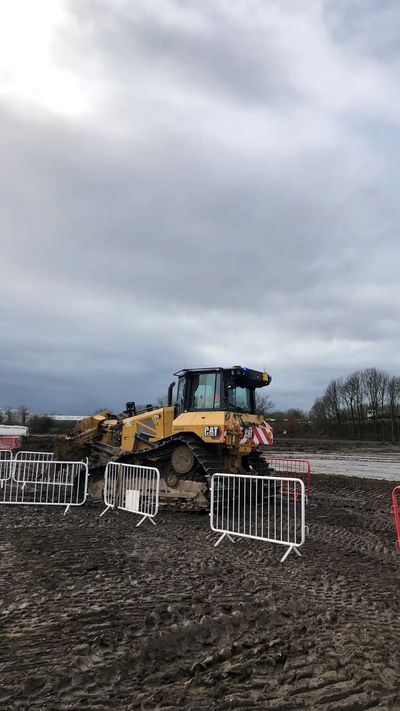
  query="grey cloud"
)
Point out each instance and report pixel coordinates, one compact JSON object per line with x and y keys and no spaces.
{"x":368,"y":25}
{"x":218,"y":53}
{"x":244,"y":221}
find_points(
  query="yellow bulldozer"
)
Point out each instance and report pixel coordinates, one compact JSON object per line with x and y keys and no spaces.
{"x":211,"y":427}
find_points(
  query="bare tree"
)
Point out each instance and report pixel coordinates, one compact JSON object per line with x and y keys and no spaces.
{"x":40,"y":424}
{"x":352,"y":394}
{"x":8,"y":416}
{"x":333,"y":397}
{"x":264,"y":405}
{"x":23,"y":414}
{"x":327,"y":409}
{"x":393,"y":398}
{"x":375,"y":387}
{"x":365,"y":401}
{"x":318,"y":411}
{"x":162,"y":401}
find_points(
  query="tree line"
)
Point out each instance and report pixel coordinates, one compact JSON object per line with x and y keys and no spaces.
{"x":37,"y":424}
{"x":364,"y":405}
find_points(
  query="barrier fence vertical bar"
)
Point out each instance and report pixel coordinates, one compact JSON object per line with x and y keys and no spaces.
{"x":396,"y":512}
{"x":238,"y":503}
{"x":256,"y":506}
{"x":6,"y":458}
{"x":245,"y":502}
{"x":250,"y":506}
{"x":234,"y":502}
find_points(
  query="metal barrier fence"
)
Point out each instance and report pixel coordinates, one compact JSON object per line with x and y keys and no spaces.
{"x":5,"y":465}
{"x":396,"y":511}
{"x":270,"y":509}
{"x":45,"y":483}
{"x":133,"y":488}
{"x":299,"y":468}
{"x":33,"y":466}
{"x":35,"y":456}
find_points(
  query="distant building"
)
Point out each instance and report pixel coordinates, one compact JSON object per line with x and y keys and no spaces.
{"x":66,"y":418}
{"x":14,"y":431}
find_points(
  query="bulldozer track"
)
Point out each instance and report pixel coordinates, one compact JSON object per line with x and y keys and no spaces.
{"x":204,"y":456}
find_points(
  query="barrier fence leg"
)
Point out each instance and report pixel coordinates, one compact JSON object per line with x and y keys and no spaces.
{"x":67,"y":509}
{"x":143,"y":518}
{"x":105,"y":510}
{"x":221,"y":538}
{"x":289,"y":550}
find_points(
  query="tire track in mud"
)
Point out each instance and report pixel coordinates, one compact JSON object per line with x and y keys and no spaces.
{"x":97,"y":615}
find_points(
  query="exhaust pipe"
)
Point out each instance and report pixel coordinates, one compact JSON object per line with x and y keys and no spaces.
{"x":170,"y":389}
{"x":130,"y":409}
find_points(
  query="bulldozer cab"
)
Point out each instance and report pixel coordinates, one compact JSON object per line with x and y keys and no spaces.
{"x":221,"y":389}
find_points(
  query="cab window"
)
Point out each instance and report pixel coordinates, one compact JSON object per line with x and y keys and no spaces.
{"x":240,"y":397}
{"x":180,"y":395}
{"x":205,"y":392}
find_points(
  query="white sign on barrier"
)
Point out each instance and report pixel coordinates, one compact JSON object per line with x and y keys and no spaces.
{"x":49,"y":483}
{"x":133,"y":488}
{"x":132,"y":499}
{"x":264,"y":508}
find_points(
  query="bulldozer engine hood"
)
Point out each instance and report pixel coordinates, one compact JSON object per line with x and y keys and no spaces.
{"x":231,"y":428}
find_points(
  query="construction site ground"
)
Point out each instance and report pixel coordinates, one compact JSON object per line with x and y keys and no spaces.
{"x":96,"y":614}
{"x":375,"y":460}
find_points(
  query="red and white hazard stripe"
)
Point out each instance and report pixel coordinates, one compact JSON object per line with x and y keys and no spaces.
{"x":261,"y":435}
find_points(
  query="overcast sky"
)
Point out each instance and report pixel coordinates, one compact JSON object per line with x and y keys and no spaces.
{"x":192,"y":183}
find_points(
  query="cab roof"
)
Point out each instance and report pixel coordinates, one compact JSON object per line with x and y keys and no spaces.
{"x":253,"y":378}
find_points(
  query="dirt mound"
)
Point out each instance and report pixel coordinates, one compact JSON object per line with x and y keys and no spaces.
{"x":97,"y":615}
{"x":39,"y":443}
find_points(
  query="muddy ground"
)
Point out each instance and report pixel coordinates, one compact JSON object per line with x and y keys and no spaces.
{"x":39,"y":443}
{"x":324,"y":444}
{"x":96,"y":614}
